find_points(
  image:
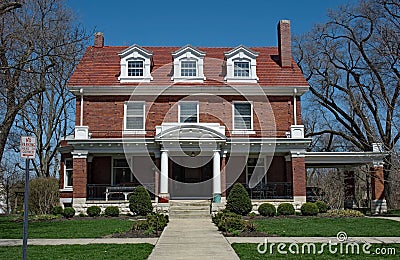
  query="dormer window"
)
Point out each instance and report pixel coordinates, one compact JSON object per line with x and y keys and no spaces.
{"x":241,"y":69}
{"x":241,"y":65}
{"x":135,"y":68}
{"x":135,"y":65}
{"x":188,"y":65}
{"x":188,"y":68}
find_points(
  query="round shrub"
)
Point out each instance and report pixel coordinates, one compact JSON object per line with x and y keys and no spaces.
{"x":309,"y":209}
{"x":68,"y":212}
{"x":285,"y":209}
{"x":93,"y":211}
{"x":230,"y":222}
{"x":111,"y":211}
{"x":238,"y":200}
{"x":57,"y":210}
{"x":140,"y":202}
{"x":267,"y":209}
{"x":322,"y":206}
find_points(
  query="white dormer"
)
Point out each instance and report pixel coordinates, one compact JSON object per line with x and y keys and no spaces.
{"x":188,"y":65}
{"x":241,"y":65}
{"x":135,"y":65}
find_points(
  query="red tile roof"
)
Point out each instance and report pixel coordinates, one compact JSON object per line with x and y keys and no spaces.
{"x":101,"y":67}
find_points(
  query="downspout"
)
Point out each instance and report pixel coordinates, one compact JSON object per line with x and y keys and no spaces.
{"x":294,"y":106}
{"x":81,"y":116}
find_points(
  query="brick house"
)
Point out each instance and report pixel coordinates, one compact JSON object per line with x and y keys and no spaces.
{"x":186,"y":122}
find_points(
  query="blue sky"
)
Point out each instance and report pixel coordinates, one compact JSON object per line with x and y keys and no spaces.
{"x":199,"y":23}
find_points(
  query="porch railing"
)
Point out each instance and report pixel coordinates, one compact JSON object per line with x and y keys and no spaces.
{"x":98,"y":191}
{"x":270,"y":190}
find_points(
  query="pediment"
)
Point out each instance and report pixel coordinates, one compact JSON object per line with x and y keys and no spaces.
{"x":188,"y":49}
{"x":241,"y":51}
{"x":135,"y":51}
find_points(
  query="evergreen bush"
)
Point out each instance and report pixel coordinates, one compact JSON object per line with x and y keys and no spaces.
{"x":322,"y":206}
{"x":140,"y":202}
{"x":68,"y":212}
{"x":93,"y":211}
{"x":285,"y":209}
{"x":238,"y":200}
{"x":309,"y":209}
{"x":267,"y":209}
{"x":111,"y":211}
{"x":57,"y":210}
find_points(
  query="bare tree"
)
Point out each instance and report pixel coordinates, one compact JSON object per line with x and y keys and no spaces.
{"x":39,"y":44}
{"x":352,"y":66}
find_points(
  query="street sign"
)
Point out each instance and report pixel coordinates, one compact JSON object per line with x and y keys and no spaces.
{"x":28,"y":147}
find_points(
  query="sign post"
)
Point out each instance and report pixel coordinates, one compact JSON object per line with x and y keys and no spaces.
{"x":28,"y":151}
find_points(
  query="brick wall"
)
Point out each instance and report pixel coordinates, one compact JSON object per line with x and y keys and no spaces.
{"x":79,"y":177}
{"x":299,"y":176}
{"x":377,"y":183}
{"x":104,"y":114}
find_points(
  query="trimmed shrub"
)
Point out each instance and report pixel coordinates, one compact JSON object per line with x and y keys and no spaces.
{"x":285,"y":209}
{"x":267,"y":209}
{"x":238,"y":200}
{"x":111,"y":211}
{"x":43,"y":195}
{"x":230,"y":222}
{"x":93,"y":211}
{"x":68,"y":212}
{"x":309,"y":209}
{"x":322,"y":206}
{"x":140,"y":202}
{"x":343,"y":213}
{"x":57,"y":210}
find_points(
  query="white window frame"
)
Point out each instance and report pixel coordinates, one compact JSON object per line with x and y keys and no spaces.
{"x":135,"y":53}
{"x":68,"y":187}
{"x":179,"y":110}
{"x":188,"y":53}
{"x":242,"y":61}
{"x":242,"y":131}
{"x":257,"y":165}
{"x":195,"y":67}
{"x":142,"y":68}
{"x":134,"y":131}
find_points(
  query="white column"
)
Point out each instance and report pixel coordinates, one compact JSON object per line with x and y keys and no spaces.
{"x":164,"y":173}
{"x":294,"y":107}
{"x":216,"y":173}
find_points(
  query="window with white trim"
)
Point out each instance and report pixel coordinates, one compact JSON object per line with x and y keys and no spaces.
{"x":68,"y":172}
{"x":135,"y":68}
{"x":241,"y":69}
{"x":134,"y":116}
{"x":188,"y":68}
{"x":188,"y":112}
{"x":121,"y":172}
{"x":255,"y":166}
{"x":242,"y":116}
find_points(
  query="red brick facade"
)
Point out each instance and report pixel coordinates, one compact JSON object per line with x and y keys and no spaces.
{"x":299,"y":176}
{"x":80,"y":178}
{"x":377,"y":183}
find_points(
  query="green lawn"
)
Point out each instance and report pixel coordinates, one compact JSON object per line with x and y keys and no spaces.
{"x":250,"y":252}
{"x":88,"y":228}
{"x":317,"y":227}
{"x":93,"y":251}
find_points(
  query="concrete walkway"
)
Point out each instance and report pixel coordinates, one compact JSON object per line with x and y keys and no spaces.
{"x":192,"y":239}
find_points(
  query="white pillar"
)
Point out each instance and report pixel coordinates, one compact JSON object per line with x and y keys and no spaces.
{"x":164,"y":173}
{"x":216,"y":174}
{"x":294,"y":107}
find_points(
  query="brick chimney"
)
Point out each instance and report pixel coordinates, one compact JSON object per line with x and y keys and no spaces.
{"x":99,"y":40}
{"x":284,"y":44}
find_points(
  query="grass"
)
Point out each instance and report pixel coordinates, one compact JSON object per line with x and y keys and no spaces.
{"x":88,"y":228}
{"x":92,"y":251}
{"x":317,"y":227}
{"x":250,"y":252}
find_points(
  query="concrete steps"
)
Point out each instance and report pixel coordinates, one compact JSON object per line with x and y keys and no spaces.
{"x":184,"y":209}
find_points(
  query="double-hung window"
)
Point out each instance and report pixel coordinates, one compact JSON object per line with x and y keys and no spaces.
{"x":188,"y":112}
{"x":134,"y":115}
{"x":188,"y":68}
{"x":68,"y":171}
{"x":242,"y":116}
{"x":241,"y":69}
{"x":256,"y":169}
{"x":135,"y":68}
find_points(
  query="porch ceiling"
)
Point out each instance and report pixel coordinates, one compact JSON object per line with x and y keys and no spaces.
{"x":342,"y":159}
